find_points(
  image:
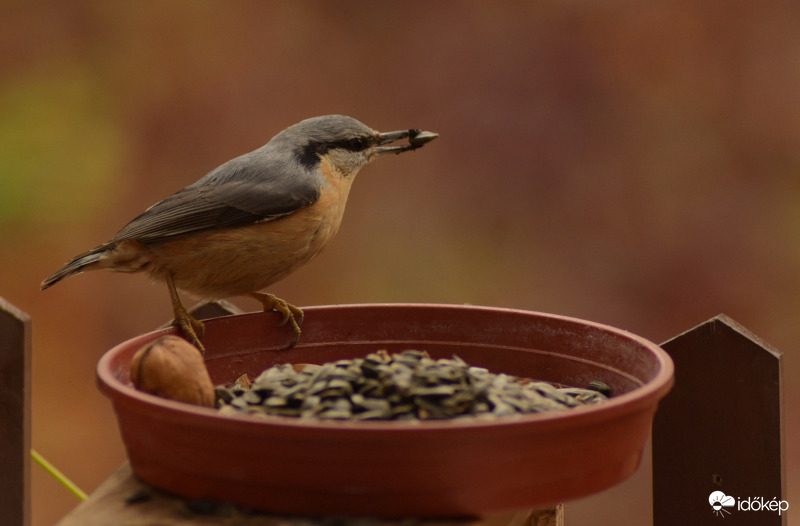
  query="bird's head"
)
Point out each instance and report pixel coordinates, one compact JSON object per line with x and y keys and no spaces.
{"x":346,"y":143}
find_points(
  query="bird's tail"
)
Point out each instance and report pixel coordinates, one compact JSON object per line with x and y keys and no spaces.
{"x":86,"y":261}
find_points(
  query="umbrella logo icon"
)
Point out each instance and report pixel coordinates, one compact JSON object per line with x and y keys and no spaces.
{"x":719,"y":501}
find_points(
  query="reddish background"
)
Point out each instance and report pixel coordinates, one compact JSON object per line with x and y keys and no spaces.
{"x":635,"y":165}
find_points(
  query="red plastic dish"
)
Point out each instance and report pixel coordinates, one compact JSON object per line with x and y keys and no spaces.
{"x":449,"y":468}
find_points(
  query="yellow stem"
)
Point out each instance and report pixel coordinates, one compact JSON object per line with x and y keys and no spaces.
{"x":58,"y":475}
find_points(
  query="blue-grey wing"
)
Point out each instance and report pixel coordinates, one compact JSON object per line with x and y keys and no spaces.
{"x":242,"y":191}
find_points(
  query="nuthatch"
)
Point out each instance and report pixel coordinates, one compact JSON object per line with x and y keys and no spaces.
{"x":250,"y":222}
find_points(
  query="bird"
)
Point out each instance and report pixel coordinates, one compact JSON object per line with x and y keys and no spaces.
{"x":250,"y":222}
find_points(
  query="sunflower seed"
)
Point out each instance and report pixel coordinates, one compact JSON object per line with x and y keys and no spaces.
{"x":400,"y":386}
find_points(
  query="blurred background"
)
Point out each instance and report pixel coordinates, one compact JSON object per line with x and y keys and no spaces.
{"x":632,"y":164}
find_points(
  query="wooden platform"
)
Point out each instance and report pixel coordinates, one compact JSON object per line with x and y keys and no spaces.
{"x":124,"y":499}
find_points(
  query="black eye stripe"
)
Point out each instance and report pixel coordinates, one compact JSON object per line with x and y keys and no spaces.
{"x":309,"y":154}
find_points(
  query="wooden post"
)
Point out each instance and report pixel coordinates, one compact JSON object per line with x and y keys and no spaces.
{"x":720,"y":430}
{"x":15,"y":415}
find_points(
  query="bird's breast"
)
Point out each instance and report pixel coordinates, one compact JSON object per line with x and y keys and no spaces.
{"x":234,"y":261}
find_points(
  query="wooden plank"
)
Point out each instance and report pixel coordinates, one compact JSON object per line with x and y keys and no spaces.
{"x":720,"y":429}
{"x":15,"y":415}
{"x":124,"y":499}
{"x":547,"y":517}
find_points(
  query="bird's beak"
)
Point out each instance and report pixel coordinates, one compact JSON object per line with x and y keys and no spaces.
{"x":416,"y":139}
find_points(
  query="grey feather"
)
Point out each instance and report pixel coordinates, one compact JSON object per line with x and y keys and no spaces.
{"x":272,"y":181}
{"x":269,"y":182}
{"x":251,"y":188}
{"x":74,"y":267}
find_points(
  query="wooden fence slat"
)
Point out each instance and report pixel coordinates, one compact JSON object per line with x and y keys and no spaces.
{"x":15,"y":415}
{"x":720,"y":429}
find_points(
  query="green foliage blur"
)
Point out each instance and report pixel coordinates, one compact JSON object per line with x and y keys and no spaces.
{"x":62,"y":150}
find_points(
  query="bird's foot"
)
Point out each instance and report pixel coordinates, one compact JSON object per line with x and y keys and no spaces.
{"x":190,"y":327}
{"x":291,"y":314}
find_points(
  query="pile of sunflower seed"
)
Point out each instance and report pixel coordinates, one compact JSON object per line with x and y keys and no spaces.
{"x":401,"y":386}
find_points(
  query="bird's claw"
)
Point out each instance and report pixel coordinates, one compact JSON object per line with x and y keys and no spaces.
{"x":190,"y":327}
{"x":291,"y":314}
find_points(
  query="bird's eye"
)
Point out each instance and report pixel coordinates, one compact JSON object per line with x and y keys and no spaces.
{"x":357,"y":144}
